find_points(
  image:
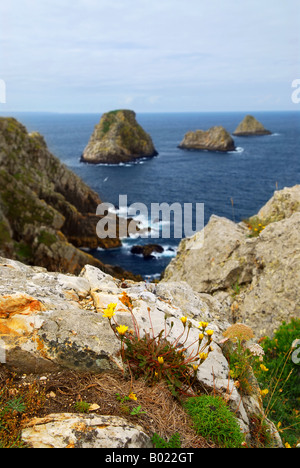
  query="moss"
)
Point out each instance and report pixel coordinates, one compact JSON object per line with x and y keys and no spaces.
{"x":47,"y":238}
{"x":4,"y":233}
{"x":212,"y":419}
{"x":23,"y":251}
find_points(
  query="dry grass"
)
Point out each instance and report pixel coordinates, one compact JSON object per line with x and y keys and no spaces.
{"x":163,"y":414}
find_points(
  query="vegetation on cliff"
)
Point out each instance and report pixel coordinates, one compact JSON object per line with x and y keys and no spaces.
{"x":47,"y":213}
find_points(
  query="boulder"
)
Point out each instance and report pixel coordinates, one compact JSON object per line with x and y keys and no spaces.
{"x":118,"y":138}
{"x":52,"y":321}
{"x":250,"y":126}
{"x":68,"y":430}
{"x":255,"y":278}
{"x":214,"y":139}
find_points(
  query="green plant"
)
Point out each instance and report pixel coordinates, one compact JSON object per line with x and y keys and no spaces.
{"x":256,"y":225}
{"x":136,"y":411}
{"x":282,"y":381}
{"x":173,"y":442}
{"x":240,"y":356}
{"x":154,"y":356}
{"x":82,"y":406}
{"x":212,"y":419}
{"x":24,"y":404}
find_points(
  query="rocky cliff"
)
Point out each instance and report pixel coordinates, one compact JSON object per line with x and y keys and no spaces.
{"x":51,"y":322}
{"x":251,"y":267}
{"x":118,"y":138}
{"x":46,"y":211}
{"x":250,"y":126}
{"x":214,"y":139}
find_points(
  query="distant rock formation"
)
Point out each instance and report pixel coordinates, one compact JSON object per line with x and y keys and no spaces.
{"x":47,"y":213}
{"x":214,"y":139}
{"x":255,"y":277}
{"x":147,"y":250}
{"x":118,"y":138}
{"x":250,"y":126}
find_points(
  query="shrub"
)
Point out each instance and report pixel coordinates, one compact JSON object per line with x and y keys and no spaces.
{"x":213,"y":420}
{"x":282,"y":381}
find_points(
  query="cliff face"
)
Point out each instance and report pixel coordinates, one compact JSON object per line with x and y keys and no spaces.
{"x":250,"y":126}
{"x":214,"y":139}
{"x":118,"y":138}
{"x":46,"y":211}
{"x":252,"y":268}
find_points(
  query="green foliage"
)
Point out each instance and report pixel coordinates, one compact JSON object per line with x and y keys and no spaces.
{"x":23,"y":405}
{"x":173,"y":442}
{"x":283,"y":381}
{"x":256,"y":225}
{"x":82,"y":406}
{"x":47,"y":238}
{"x":213,"y":419}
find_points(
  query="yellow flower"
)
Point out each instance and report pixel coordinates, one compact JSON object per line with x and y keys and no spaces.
{"x":110,"y":311}
{"x":263,"y":368}
{"x":287,"y":445}
{"x":122,"y":329}
{"x":203,"y":356}
{"x":132,"y":396}
{"x":201,"y":336}
{"x":210,"y":332}
{"x":264,"y":392}
{"x":203,"y":325}
{"x":184,"y":320}
{"x":160,"y":360}
{"x":195,"y":367}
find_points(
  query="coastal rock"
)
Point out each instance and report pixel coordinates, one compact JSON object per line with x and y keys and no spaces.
{"x":250,"y":126}
{"x":214,"y":139}
{"x":147,"y":250}
{"x":256,"y":279}
{"x":68,"y":430}
{"x":47,"y":213}
{"x":118,"y":138}
{"x":51,"y":321}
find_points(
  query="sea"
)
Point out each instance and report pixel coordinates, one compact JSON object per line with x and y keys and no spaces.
{"x":234,"y":185}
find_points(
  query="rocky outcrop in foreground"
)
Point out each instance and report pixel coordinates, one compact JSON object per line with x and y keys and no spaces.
{"x":52,"y":321}
{"x":250,"y":126}
{"x":214,"y":139}
{"x":118,"y":138}
{"x":47,"y":213}
{"x":252,"y":268}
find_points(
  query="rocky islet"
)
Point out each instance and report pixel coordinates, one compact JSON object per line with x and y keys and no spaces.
{"x":118,"y":138}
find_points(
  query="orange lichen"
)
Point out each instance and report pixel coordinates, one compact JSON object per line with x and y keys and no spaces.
{"x":20,"y":304}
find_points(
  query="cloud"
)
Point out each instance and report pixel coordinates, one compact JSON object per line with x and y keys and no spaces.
{"x":102,"y":51}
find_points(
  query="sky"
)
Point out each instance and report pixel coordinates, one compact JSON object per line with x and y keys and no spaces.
{"x":149,"y":56}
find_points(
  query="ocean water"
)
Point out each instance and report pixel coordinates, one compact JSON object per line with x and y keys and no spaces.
{"x":235,"y":184}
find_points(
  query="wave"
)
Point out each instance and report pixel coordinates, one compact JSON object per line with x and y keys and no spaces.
{"x":238,"y":149}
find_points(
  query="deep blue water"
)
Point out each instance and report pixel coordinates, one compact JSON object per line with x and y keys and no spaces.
{"x":235,"y":185}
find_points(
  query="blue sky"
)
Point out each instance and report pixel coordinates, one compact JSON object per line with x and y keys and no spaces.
{"x":149,"y":56}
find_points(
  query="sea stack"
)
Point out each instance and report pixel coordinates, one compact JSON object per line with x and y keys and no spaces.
{"x":250,"y":126}
{"x":118,"y":138}
{"x":214,"y":139}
